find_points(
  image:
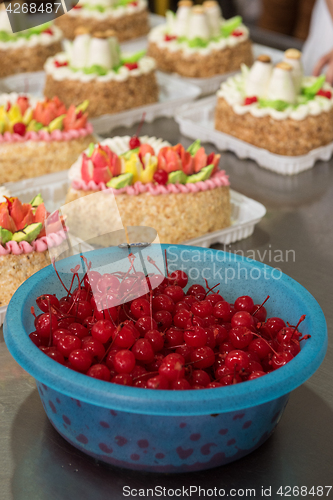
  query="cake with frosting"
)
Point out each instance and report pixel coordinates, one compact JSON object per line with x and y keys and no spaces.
{"x":197,"y":42}
{"x":276,"y":107}
{"x":92,"y":67}
{"x":39,"y":137}
{"x":26,"y":50}
{"x":180,"y":193}
{"x":128,"y":18}
{"x":24,"y":243}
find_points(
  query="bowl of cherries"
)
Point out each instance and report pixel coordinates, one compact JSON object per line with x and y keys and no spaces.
{"x":166,"y":370}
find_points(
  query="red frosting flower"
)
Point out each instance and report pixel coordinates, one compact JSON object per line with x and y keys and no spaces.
{"x":101,"y":166}
{"x":169,"y":160}
{"x":15,"y":215}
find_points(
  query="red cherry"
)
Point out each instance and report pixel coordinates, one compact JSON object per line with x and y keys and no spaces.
{"x":256,"y":374}
{"x":222,"y":310}
{"x":122,"y":379}
{"x":100,"y":372}
{"x":78,"y":330}
{"x":131,"y":66}
{"x":134,"y":142}
{"x":48,"y":31}
{"x":125,"y":335}
{"x":144,"y":324}
{"x":80,"y":360}
{"x":94,"y":347}
{"x":260,"y":347}
{"x":180,"y":385}
{"x":163,"y":303}
{"x":237,"y":360}
{"x":178,"y":277}
{"x":172,"y":367}
{"x":214,"y":298}
{"x":45,"y":301}
{"x":163,"y":320}
{"x":261,"y":314}
{"x":199,"y":377}
{"x":281,"y":359}
{"x":102,"y":330}
{"x":54,"y":354}
{"x":240,"y":337}
{"x":175,"y":292}
{"x":274,"y":325}
{"x":203,"y":357}
{"x":156,"y":339}
{"x":197,"y":337}
{"x":244,"y":303}
{"x":202,"y":309}
{"x":161,"y":177}
{"x":140,"y":307}
{"x":59,"y":334}
{"x":124,"y":361}
{"x":325,"y":93}
{"x":45,"y":323}
{"x":158,"y":382}
{"x":60,"y":64}
{"x":169,"y":38}
{"x":250,"y":100}
{"x":143,"y":351}
{"x":19,"y":128}
{"x":237,"y":33}
{"x":195,"y":289}
{"x":174,"y":337}
{"x":68,"y":344}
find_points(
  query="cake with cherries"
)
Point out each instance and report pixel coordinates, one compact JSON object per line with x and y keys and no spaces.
{"x":92,"y":67}
{"x":26,"y":50}
{"x":276,"y":107}
{"x":197,"y":42}
{"x":39,"y":137}
{"x":128,"y":18}
{"x":24,"y":243}
{"x":179,"y":193}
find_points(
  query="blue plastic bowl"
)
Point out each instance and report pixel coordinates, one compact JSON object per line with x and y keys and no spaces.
{"x":171,"y":431}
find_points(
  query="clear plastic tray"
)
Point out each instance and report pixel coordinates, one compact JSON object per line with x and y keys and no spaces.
{"x":245,"y":212}
{"x":197,"y":122}
{"x":173,"y":93}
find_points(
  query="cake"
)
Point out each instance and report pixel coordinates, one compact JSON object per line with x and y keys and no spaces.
{"x":179,"y":193}
{"x":277,"y":108}
{"x":39,"y":137}
{"x":26,"y":50}
{"x":197,"y":42}
{"x":128,"y":18}
{"x":23,"y":242}
{"x":93,"y":68}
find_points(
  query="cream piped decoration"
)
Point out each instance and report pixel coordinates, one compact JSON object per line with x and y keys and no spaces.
{"x":258,"y":79}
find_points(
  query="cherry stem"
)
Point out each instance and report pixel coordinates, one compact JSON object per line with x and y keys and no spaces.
{"x":140,"y":124}
{"x":151,"y":261}
{"x":210,"y":289}
{"x":54,"y":267}
{"x":32,"y":310}
{"x":166,"y":262}
{"x":261,"y":305}
{"x":302,"y":318}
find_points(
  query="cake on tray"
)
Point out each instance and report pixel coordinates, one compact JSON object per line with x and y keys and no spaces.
{"x":26,"y":50}
{"x":39,"y":137}
{"x":23,"y":242}
{"x":128,"y":18}
{"x":179,"y":193}
{"x":93,"y":68}
{"x":277,"y":108}
{"x":197,"y":42}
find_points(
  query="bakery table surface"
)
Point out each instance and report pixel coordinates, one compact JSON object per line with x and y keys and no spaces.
{"x":296,"y":235}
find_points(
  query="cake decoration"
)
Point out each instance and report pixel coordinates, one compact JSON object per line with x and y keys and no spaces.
{"x":23,"y":242}
{"x":40,"y":136}
{"x":180,"y":193}
{"x":92,"y":67}
{"x":277,"y":108}
{"x":198,"y":42}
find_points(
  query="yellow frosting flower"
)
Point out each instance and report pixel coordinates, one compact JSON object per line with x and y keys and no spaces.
{"x":134,"y":166}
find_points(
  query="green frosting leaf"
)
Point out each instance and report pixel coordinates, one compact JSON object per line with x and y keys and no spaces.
{"x":277,"y":104}
{"x":95,"y":68}
{"x":177,"y":177}
{"x":194,"y":147}
{"x":312,"y":89}
{"x":134,"y":57}
{"x":5,"y":235}
{"x":91,"y":148}
{"x":197,"y":42}
{"x":230,"y":25}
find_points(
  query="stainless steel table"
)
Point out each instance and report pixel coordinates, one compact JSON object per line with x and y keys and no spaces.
{"x":37,"y":464}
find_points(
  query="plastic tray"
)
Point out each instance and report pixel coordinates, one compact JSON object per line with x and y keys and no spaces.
{"x":173,"y":93}
{"x":245,"y":212}
{"x":197,"y":122}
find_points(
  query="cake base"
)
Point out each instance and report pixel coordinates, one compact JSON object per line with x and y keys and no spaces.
{"x":176,"y":217}
{"x":15,"y":269}
{"x":283,"y":137}
{"x":21,"y":160}
{"x":202,"y":66}
{"x":126,"y":27}
{"x":26,"y":59}
{"x":105,"y":97}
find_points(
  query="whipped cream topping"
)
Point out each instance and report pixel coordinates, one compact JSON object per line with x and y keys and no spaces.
{"x":145,"y":65}
{"x":111,"y":11}
{"x":120,"y":145}
{"x":44,"y":135}
{"x":39,"y":245}
{"x":13,"y":96}
{"x":34,"y":40}
{"x":233,"y":91}
{"x":157,"y":36}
